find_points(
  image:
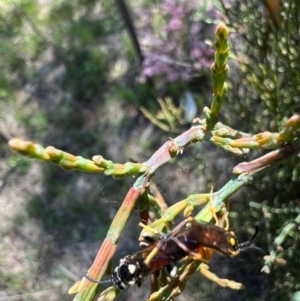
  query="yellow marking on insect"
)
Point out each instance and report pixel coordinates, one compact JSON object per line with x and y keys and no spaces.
{"x":151,"y":255}
{"x":232,"y":240}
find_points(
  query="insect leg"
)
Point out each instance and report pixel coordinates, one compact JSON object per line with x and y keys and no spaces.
{"x":151,"y":255}
{"x":167,"y":236}
{"x":189,"y":252}
{"x":179,"y":227}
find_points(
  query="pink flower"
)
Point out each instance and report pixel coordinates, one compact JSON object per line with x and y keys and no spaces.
{"x":175,"y":25}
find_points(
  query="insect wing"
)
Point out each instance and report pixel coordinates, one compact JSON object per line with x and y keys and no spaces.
{"x":210,"y":236}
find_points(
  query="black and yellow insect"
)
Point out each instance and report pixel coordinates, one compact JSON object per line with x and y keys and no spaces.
{"x":190,"y":238}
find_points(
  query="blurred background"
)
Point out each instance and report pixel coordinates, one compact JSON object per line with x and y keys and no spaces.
{"x":74,"y":75}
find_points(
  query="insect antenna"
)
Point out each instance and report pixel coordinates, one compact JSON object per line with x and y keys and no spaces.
{"x":97,"y":281}
{"x":244,"y":245}
{"x":247,"y":245}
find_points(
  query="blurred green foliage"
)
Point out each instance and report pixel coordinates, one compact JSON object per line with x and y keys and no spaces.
{"x":268,"y":86}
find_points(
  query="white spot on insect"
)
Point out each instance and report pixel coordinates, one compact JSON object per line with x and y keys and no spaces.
{"x":174,"y":271}
{"x":188,"y":225}
{"x":131,"y":268}
{"x":132,"y":282}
